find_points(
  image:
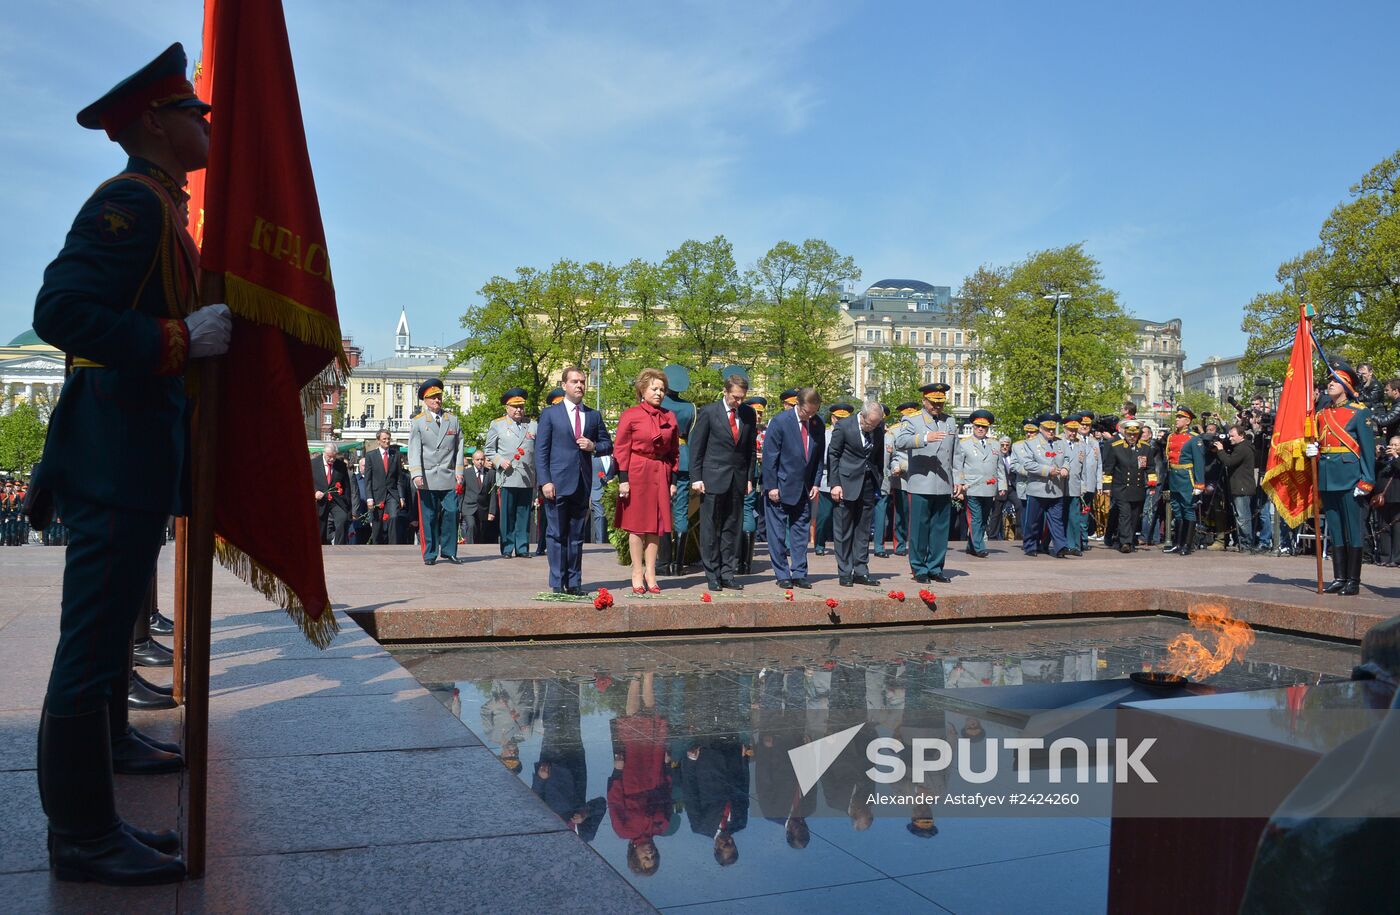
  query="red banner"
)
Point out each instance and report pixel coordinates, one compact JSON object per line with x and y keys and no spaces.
{"x":262,"y":231}
{"x":1286,"y":477}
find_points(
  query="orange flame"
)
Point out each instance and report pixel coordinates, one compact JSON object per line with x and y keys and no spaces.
{"x":1189,"y":657}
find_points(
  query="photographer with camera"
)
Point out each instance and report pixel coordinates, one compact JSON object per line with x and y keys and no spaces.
{"x":1385,"y":502}
{"x":1238,"y":461}
{"x":1386,"y":413}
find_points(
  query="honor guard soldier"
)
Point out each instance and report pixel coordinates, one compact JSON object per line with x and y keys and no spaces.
{"x":752,"y":505}
{"x":979,"y":475}
{"x":1045,"y":465}
{"x":929,"y":439}
{"x":1186,"y":480}
{"x":510,"y":447}
{"x":6,"y":511}
{"x":1128,"y":464}
{"x":121,"y":299}
{"x":823,"y":531}
{"x":677,"y":383}
{"x":1346,"y":472}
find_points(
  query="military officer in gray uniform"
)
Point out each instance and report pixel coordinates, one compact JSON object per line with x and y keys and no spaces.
{"x":435,"y":466}
{"x":979,"y":475}
{"x":1045,"y":465}
{"x":1076,"y":451}
{"x":928,"y":439}
{"x":1090,"y":474}
{"x":510,"y":447}
{"x":1019,"y":450}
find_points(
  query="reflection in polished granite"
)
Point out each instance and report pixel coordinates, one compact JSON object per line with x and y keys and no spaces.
{"x":647,"y":748}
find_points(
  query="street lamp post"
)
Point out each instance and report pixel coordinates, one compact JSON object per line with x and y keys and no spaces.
{"x":1056,"y":299}
{"x":598,"y":326}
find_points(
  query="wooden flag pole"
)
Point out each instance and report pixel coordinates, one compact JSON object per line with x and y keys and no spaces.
{"x":199,"y":576}
{"x":178,"y":611}
{"x":1317,"y":522}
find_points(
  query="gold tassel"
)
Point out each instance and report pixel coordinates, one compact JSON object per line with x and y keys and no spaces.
{"x":257,"y":303}
{"x":319,"y":631}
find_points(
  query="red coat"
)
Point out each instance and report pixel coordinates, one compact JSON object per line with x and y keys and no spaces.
{"x":647,"y":450}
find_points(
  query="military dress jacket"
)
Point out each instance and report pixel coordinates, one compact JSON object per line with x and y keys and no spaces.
{"x":1077,"y":453}
{"x":435,"y":449}
{"x":114,"y":300}
{"x":1129,"y":480}
{"x":1347,"y":445}
{"x":1186,"y":463}
{"x":977,"y":465}
{"x":1040,"y":457}
{"x":930,"y":468}
{"x":1091,"y":470}
{"x":1020,"y":452}
{"x":510,"y":448}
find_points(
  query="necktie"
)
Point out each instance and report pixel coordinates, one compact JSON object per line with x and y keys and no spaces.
{"x":803,"y":426}
{"x":329,"y":470}
{"x":385,"y":455}
{"x":578,"y":423}
{"x":480,"y":479}
{"x":734,"y":426}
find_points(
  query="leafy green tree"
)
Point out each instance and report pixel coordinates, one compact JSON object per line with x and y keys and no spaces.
{"x":896,"y":371}
{"x":21,"y":439}
{"x":1015,"y":329}
{"x":703,"y":292}
{"x":796,"y":310}
{"x":1352,"y":278}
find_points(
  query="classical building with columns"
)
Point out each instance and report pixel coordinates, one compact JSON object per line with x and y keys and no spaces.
{"x":31,"y":371}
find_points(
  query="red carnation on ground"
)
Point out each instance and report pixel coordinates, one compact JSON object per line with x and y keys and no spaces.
{"x":896,"y":595}
{"x":833,"y":603}
{"x":604,"y":600}
{"x":928,"y":596}
{"x":706,"y":598}
{"x":787,"y":595}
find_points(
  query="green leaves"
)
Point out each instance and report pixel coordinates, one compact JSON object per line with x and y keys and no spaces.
{"x":21,"y":439}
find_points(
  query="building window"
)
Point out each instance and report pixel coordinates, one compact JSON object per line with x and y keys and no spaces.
{"x":972,"y":400}
{"x":329,"y":401}
{"x":897,"y":336}
{"x":928,"y":336}
{"x":942,"y":338}
{"x":942,"y":377}
{"x":928,"y":375}
{"x":398,"y":390}
{"x":369,"y":411}
{"x":456,"y":391}
{"x":398,"y":411}
{"x":957,"y":400}
{"x":869,"y":334}
{"x":957,"y":338}
{"x":957,"y":378}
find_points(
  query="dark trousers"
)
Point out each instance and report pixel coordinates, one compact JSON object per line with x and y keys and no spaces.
{"x":564,"y":521}
{"x":380,"y":529}
{"x":1041,"y":510}
{"x":106,"y":575}
{"x":851,"y":531}
{"x":720,"y":525}
{"x":1388,"y":540}
{"x":929,"y":519}
{"x":1343,"y":513}
{"x":600,"y":520}
{"x":979,"y":514}
{"x":437,"y":522}
{"x":335,"y":523}
{"x":1129,"y":520}
{"x":515,"y":520}
{"x":787,"y":537}
{"x":680,"y":504}
{"x":824,"y":515}
{"x":1183,"y":496}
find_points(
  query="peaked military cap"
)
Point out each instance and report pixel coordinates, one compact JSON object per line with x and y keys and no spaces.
{"x":936,"y":392}
{"x":789,"y":397}
{"x":677,"y":378}
{"x":1343,"y":372}
{"x":759,"y":404}
{"x":430,"y":388}
{"x":159,"y":84}
{"x":982,"y":418}
{"x":1186,"y":412}
{"x":907,"y":408}
{"x":842,"y":410}
{"x":554,"y":397}
{"x":515,"y":397}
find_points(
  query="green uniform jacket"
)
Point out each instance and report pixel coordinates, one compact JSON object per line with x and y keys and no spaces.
{"x":1343,"y":468}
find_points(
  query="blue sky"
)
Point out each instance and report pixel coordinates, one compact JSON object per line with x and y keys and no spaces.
{"x":1192,"y":147}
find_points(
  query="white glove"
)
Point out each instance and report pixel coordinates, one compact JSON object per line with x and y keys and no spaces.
{"x":1311,"y":449}
{"x":209,"y":329}
{"x":1359,"y":493}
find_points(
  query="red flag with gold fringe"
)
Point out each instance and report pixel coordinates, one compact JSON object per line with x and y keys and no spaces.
{"x":1286,"y":477}
{"x":262,"y":232}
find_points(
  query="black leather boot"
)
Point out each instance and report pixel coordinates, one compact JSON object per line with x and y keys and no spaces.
{"x":155,"y":687}
{"x":1339,"y":570}
{"x":1353,"y":585}
{"x":1188,"y":538}
{"x":134,"y":753}
{"x":1176,"y":538}
{"x":143,"y":697}
{"x":87,"y":840}
{"x":150,"y":653}
{"x":160,"y":625}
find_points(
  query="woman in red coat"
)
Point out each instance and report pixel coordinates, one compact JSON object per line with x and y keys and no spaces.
{"x":647,"y":450}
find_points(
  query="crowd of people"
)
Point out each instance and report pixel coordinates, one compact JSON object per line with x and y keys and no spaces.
{"x":858,"y":480}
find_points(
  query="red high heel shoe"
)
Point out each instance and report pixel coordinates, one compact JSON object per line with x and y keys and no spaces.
{"x":639,"y":590}
{"x":654,"y":589}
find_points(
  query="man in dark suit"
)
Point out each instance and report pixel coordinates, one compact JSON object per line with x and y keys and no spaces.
{"x":855,"y":465}
{"x":721,"y":461}
{"x":331,"y":480}
{"x":570,"y":433}
{"x":478,"y":500}
{"x":383,"y":479}
{"x":792,"y":454}
{"x":604,"y":471}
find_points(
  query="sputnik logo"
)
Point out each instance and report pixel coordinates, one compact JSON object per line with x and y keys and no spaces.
{"x":811,"y":760}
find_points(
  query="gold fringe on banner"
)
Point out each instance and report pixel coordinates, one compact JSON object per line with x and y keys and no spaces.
{"x":319,"y":632}
{"x":260,"y":304}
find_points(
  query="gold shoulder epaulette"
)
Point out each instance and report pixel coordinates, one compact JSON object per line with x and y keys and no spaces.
{"x":1120,"y":444}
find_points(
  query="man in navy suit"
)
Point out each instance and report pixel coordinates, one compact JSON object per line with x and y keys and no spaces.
{"x":569,"y":435}
{"x":792,"y":453}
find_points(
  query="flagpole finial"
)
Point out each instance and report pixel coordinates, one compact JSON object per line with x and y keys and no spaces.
{"x":1309,"y":311}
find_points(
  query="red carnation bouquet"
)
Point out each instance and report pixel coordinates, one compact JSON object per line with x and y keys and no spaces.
{"x":896,"y":595}
{"x":604,"y":600}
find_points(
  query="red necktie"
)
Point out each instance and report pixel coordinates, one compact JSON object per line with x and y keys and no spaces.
{"x":578,"y":423}
{"x":803,"y":427}
{"x":385,"y":455}
{"x":734,"y":426}
{"x":329,"y":468}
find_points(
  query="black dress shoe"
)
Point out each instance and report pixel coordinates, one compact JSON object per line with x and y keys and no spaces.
{"x":1075,"y":552}
{"x":429,"y":560}
{"x":921,"y":579}
{"x":560,"y":590}
{"x":117,"y":858}
{"x":904,"y":552}
{"x":802,"y":583}
{"x":1061,"y":554}
{"x":575,"y":591}
{"x":133,"y":756}
{"x":714,"y":584}
{"x":732,"y":585}
{"x":843,"y":581}
{"x":154,"y":687}
{"x":452,"y":559}
{"x":160,"y":625}
{"x":863,"y":580}
{"x":785,"y":583}
{"x":140,"y":696}
{"x":150,"y":653}
{"x":166,"y":841}
{"x":982,"y":554}
{"x":1125,"y":549}
{"x":882,"y":554}
{"x":150,"y":741}
{"x":820,"y":551}
{"x":940,"y":578}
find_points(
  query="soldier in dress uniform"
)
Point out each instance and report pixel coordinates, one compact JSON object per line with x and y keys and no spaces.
{"x":979,"y":476}
{"x":510,"y":447}
{"x":7,"y":512}
{"x":752,"y":506}
{"x":1045,"y":465}
{"x":1186,"y":480}
{"x":1129,"y":462}
{"x":897,"y":473}
{"x":929,"y":439}
{"x":539,"y":518}
{"x":1076,"y":451}
{"x":1346,"y":472}
{"x":129,"y":342}
{"x":825,"y":507}
{"x":435,"y":466}
{"x":1019,"y":451}
{"x":677,"y":383}
{"x":1091,"y":474}
{"x":789,"y":398}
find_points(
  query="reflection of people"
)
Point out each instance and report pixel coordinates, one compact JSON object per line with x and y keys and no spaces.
{"x":561,"y":774}
{"x":647,"y":452}
{"x":715,"y":788}
{"x":639,"y":789}
{"x":570,"y":433}
{"x":130,"y":350}
{"x":509,"y":716}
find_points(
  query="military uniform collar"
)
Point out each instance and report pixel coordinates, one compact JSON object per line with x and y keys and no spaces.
{"x":148,"y":168}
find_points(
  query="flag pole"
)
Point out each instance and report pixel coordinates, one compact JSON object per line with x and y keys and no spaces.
{"x":178,"y":609}
{"x":1310,"y":435}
